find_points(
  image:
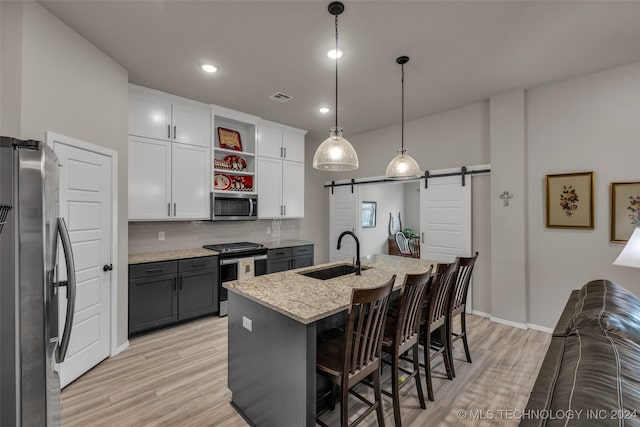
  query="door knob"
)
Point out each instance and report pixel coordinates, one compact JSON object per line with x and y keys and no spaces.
{"x":107,"y":267}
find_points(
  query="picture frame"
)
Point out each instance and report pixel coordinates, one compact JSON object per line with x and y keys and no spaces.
{"x":624,"y":214}
{"x":368,"y":213}
{"x":569,"y":200}
{"x":229,"y":139}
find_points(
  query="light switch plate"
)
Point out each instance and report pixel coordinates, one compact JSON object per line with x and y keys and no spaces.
{"x":247,"y":323}
{"x":161,"y":235}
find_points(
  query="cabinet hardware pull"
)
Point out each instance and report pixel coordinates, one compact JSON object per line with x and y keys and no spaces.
{"x":281,"y":152}
{"x":174,"y":132}
{"x":285,"y":152}
{"x":174,"y":209}
{"x":168,"y":131}
{"x":285,"y":210}
{"x":155,"y":270}
{"x":423,"y":237}
{"x":168,"y":209}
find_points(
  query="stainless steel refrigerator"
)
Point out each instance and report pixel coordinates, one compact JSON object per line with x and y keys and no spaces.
{"x":30,"y":345}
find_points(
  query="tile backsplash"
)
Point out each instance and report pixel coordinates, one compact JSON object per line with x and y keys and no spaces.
{"x":143,"y":236}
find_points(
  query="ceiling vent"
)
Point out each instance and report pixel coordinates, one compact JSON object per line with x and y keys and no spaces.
{"x":281,"y":97}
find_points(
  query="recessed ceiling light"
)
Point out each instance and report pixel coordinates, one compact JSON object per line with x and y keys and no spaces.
{"x":332,"y":54}
{"x":209,"y":68}
{"x":324,"y":110}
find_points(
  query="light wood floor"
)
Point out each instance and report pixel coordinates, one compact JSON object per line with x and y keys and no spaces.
{"x":177,"y":377}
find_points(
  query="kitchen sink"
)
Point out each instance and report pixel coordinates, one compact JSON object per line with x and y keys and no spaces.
{"x":332,"y":272}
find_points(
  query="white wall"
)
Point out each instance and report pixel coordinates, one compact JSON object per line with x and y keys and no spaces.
{"x":389,"y":199}
{"x":68,"y":86}
{"x":586,"y":124}
{"x":411,"y":211}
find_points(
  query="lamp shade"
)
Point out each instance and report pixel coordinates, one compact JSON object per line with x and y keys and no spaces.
{"x":402,"y":166}
{"x":630,"y":255}
{"x":335,"y":154}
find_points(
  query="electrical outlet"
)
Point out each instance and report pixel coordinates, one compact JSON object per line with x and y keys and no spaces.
{"x":268,"y":230}
{"x":161,"y":235}
{"x":247,"y":323}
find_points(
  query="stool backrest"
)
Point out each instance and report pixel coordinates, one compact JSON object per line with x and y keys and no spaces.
{"x":411,"y":301}
{"x":365,"y":326}
{"x":437,"y":302}
{"x":463,"y":278}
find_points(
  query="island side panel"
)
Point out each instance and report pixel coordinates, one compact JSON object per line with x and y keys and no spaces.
{"x":272,"y":372}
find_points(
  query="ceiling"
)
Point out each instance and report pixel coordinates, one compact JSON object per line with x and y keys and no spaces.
{"x":461,"y":51}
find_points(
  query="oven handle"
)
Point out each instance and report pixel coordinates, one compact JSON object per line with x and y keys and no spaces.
{"x":236,"y":260}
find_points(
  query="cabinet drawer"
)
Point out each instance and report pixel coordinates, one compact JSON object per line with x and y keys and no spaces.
{"x":302,"y":250}
{"x":138,"y":271}
{"x":279,"y":253}
{"x":197,"y":263}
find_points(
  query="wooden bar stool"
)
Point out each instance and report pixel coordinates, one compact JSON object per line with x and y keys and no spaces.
{"x":458,"y":305}
{"x":435,"y":318}
{"x":348,"y":359}
{"x":402,"y":332}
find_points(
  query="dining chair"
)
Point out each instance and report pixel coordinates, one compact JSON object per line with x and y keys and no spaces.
{"x":414,"y":246}
{"x":401,"y":333}
{"x":403,"y":244}
{"x":435,"y":318}
{"x":458,"y":305}
{"x":350,"y":357}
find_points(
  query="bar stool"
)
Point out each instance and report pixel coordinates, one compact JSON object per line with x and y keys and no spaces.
{"x":401,"y":333}
{"x":348,"y":359}
{"x":458,"y":305}
{"x":435,"y":318}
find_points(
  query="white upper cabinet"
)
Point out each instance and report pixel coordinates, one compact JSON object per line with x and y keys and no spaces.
{"x":191,"y":124}
{"x":190,"y":182}
{"x":280,"y":171}
{"x":149,"y":115}
{"x":158,"y":115}
{"x":149,"y":179}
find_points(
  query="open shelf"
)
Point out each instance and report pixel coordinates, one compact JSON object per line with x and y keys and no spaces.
{"x":227,"y":152}
{"x":233,"y":172}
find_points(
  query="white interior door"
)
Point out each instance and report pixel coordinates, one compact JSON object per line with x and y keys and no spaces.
{"x":343,"y":216}
{"x":445,"y":220}
{"x":86,"y":204}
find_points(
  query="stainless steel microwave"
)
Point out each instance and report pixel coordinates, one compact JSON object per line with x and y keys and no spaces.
{"x":234,"y":207}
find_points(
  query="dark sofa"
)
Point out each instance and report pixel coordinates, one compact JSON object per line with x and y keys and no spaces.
{"x":590,"y":375}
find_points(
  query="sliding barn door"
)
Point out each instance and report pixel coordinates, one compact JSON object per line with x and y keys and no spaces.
{"x":343,"y":216}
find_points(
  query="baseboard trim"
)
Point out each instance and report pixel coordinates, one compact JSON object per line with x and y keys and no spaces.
{"x":508,"y":322}
{"x":481,"y":314}
{"x":120,"y":349}
{"x":539,"y":328}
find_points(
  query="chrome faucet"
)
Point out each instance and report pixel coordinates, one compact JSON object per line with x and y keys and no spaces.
{"x":358,"y":268}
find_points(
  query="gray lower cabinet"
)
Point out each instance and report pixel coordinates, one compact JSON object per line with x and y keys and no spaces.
{"x":283,"y":259}
{"x":167,"y":292}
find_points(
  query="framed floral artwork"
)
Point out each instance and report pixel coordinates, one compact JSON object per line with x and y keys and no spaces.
{"x":625,"y":210}
{"x":570,"y":200}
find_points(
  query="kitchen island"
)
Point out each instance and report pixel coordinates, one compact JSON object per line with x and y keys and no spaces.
{"x":274,"y":321}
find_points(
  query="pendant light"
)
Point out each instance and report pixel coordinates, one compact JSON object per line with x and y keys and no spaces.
{"x":335,"y":153}
{"x":403,"y":166}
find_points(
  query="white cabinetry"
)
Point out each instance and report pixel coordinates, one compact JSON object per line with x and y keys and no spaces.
{"x":167,"y":181}
{"x":169,"y":157}
{"x":157,"y":115}
{"x":280,"y":171}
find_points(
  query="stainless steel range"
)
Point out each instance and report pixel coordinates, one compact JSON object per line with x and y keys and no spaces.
{"x":231,"y":254}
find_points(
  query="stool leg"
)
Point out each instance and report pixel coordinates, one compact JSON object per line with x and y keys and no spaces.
{"x":334,"y":393}
{"x":344,"y":404}
{"x":463,"y":322}
{"x":416,"y":368}
{"x":450,"y":345}
{"x":395,"y":388}
{"x":427,"y":363}
{"x":378,"y":397}
{"x":445,"y":336}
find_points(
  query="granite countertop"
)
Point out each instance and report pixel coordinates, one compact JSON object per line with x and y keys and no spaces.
{"x":170,"y":255}
{"x":307,"y":300}
{"x":286,"y":244}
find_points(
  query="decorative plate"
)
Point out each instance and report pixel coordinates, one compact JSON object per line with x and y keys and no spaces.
{"x":229,"y":139}
{"x":241,"y":183}
{"x":221,"y":181}
{"x":236,"y":163}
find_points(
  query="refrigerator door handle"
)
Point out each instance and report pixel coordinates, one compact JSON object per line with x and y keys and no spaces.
{"x":61,"y":353}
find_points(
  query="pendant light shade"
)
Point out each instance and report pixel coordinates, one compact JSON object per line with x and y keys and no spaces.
{"x":403,"y":166}
{"x":335,"y":153}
